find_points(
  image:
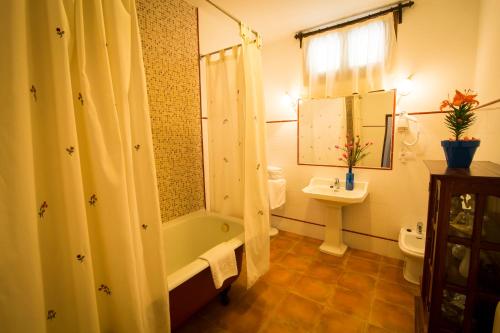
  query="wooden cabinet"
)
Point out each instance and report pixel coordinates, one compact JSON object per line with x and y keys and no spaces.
{"x":461,"y":277}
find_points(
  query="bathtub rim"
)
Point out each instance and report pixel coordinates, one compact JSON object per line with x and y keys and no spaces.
{"x":197,"y":265}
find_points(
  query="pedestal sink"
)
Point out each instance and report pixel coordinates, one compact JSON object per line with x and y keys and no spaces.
{"x":323,"y":189}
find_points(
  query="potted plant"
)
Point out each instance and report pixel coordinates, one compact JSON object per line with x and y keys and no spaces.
{"x":353,"y":152}
{"x":459,"y":150}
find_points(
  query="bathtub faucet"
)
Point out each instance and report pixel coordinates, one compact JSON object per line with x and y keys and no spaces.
{"x":337,"y":184}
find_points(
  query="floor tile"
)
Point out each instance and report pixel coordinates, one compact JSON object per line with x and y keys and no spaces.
{"x":295,"y":262}
{"x":394,"y":274}
{"x":275,"y":326}
{"x":243,"y":318}
{"x":394,"y":293}
{"x":358,"y":282}
{"x":280,"y":276}
{"x":305,"y":249}
{"x":313,"y":289}
{"x":366,"y":255}
{"x":375,"y":329}
{"x":276,"y":254}
{"x":315,"y":241}
{"x":329,"y":259}
{"x":392,"y":261}
{"x":325,"y":273}
{"x":334,"y":321}
{"x":264,"y":295}
{"x":391,"y":317}
{"x":282,"y":243}
{"x":362,"y":266}
{"x":298,"y":312}
{"x":351,"y":302}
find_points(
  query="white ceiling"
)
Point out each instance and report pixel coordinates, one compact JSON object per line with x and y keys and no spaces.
{"x":276,"y":19}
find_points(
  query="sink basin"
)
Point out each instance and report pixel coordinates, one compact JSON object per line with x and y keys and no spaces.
{"x":323,"y":189}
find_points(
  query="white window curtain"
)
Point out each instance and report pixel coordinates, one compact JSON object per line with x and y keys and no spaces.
{"x":80,"y":246}
{"x":353,"y":59}
{"x":237,"y":150}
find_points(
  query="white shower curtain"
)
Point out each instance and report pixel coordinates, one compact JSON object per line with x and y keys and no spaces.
{"x":238,"y":165}
{"x":80,"y":247}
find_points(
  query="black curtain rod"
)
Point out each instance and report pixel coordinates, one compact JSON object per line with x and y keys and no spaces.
{"x":397,"y":8}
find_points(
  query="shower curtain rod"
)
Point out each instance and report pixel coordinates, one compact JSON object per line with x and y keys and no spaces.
{"x":394,"y":7}
{"x":232,"y":17}
{"x":222,"y":50}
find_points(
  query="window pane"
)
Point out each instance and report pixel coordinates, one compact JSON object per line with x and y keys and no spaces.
{"x":452,"y":308}
{"x":461,"y":219}
{"x":491,"y":220}
{"x":324,"y":53}
{"x":457,"y":264}
{"x":489,"y":271}
{"x":366,"y":45}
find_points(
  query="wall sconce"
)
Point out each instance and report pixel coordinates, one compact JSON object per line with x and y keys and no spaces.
{"x":290,"y":100}
{"x":404,"y":88}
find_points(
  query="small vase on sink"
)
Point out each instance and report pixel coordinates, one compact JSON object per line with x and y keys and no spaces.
{"x":353,"y":152}
{"x":349,"y":180}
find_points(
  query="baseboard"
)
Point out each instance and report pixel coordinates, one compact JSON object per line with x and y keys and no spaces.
{"x":385,"y":247}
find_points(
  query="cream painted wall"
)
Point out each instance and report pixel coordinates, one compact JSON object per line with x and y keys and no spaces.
{"x":431,"y":47}
{"x":432,"y":50}
{"x":488,"y":63}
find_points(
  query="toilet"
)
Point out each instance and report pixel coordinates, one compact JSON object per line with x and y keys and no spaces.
{"x":277,"y":191}
{"x":412,"y":244}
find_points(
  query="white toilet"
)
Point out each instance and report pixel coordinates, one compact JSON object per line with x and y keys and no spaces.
{"x":277,"y":191}
{"x":412,"y":244}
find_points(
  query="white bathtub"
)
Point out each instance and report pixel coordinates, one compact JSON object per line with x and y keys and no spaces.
{"x":189,"y":279}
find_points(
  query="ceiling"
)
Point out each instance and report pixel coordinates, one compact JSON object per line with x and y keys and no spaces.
{"x":276,"y":19}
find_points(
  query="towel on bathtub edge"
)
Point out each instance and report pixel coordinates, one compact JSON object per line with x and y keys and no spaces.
{"x":222,"y":262}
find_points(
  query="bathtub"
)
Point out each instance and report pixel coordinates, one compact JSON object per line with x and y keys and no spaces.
{"x":190,"y":282}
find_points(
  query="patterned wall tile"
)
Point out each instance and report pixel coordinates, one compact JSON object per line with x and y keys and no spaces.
{"x":170,"y":47}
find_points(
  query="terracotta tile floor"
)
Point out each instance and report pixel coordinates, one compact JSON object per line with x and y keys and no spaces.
{"x":309,"y":291}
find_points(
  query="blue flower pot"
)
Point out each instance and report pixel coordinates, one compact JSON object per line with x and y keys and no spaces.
{"x":459,"y":154}
{"x":349,"y":181}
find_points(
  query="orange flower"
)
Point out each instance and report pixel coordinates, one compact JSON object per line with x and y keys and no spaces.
{"x":444,"y":104}
{"x":459,"y":98}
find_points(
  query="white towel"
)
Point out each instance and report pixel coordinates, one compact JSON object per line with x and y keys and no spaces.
{"x":222,"y":261}
{"x":277,"y":192}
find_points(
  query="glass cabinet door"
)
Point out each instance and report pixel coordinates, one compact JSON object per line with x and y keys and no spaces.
{"x":461,"y":219}
{"x":457,"y":264}
{"x":488,"y":277}
{"x":452,"y":309}
{"x":491,"y":220}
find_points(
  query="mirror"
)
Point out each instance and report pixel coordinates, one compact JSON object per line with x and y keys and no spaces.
{"x":324,"y":123}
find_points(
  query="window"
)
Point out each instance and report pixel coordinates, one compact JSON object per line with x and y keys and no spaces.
{"x":349,"y":60}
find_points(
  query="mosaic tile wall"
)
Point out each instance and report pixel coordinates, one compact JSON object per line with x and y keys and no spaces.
{"x":170,"y":47}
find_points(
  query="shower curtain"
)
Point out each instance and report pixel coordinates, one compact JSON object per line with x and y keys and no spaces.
{"x":80,"y":247}
{"x":236,"y":131}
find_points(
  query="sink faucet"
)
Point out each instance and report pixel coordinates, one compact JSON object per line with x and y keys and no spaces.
{"x":337,"y":184}
{"x":420,"y":227}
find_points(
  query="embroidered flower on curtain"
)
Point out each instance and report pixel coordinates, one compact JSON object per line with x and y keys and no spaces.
{"x":80,"y":98}
{"x":51,"y":314}
{"x":145,"y":226}
{"x":60,"y":32}
{"x":33,"y":92}
{"x":137,"y":147}
{"x":80,"y":257}
{"x":70,"y":150}
{"x":41,"y":210}
{"x":105,"y":289}
{"x":93,"y":200}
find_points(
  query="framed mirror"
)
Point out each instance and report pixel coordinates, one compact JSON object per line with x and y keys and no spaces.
{"x":325,"y":123}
